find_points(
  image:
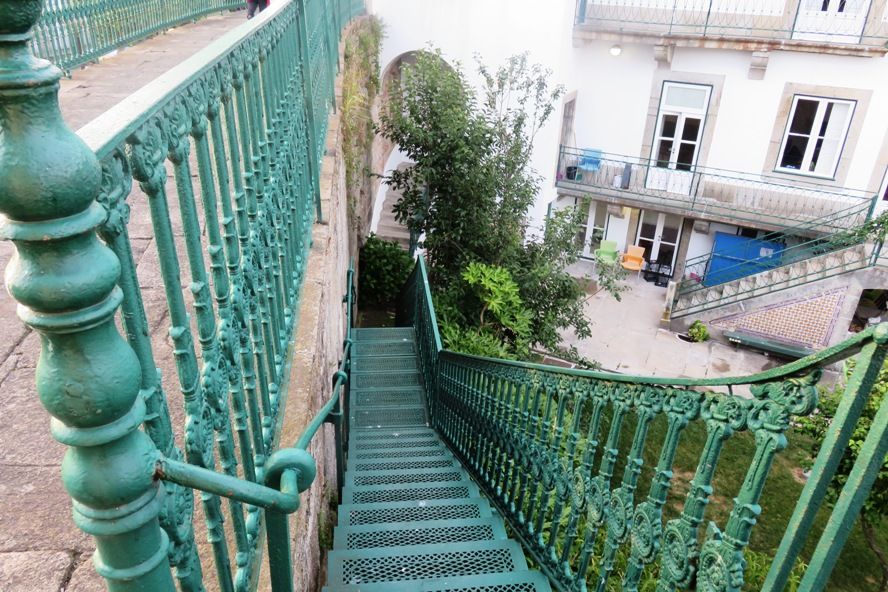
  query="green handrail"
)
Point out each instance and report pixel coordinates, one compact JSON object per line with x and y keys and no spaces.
{"x":71,"y":33}
{"x":226,"y":155}
{"x":544,"y":444}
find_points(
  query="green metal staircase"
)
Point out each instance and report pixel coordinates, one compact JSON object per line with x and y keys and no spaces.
{"x":411,"y":518}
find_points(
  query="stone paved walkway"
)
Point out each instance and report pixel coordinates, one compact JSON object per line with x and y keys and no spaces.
{"x":40,"y":548}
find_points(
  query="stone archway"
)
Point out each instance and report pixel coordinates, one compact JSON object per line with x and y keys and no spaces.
{"x":387,"y":157}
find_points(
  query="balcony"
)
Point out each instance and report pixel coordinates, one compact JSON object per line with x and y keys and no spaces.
{"x":733,"y":197}
{"x":857,"y":27}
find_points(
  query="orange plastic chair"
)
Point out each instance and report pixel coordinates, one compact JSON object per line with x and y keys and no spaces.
{"x":633,"y":259}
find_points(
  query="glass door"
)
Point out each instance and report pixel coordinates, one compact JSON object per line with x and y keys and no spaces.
{"x":675,"y":152}
{"x":591,"y":232}
{"x":838,"y":21}
{"x":676,"y":141}
{"x":659,"y":234}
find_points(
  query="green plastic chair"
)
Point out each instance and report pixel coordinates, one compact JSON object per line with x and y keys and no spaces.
{"x":607,"y":252}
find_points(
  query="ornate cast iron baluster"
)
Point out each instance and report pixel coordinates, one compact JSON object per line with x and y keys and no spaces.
{"x":64,"y":278}
{"x":583,"y":490}
{"x":681,"y":407}
{"x":564,"y":446}
{"x":216,"y":374}
{"x":228,"y":284}
{"x":721,"y":558}
{"x":648,"y":402}
{"x":176,"y":515}
{"x":251,"y":340}
{"x":724,"y":415}
{"x":621,"y":398}
{"x":149,"y":145}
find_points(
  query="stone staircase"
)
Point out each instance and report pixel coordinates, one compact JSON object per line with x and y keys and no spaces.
{"x":805,"y":271}
{"x":410,"y":518}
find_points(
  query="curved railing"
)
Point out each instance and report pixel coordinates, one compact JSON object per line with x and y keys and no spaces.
{"x":562,"y":454}
{"x":71,"y":33}
{"x":212,"y":244}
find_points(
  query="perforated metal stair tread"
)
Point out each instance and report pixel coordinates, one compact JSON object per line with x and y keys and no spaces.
{"x":387,"y":333}
{"x":411,"y":518}
{"x":410,"y":492}
{"x":520,"y":581}
{"x":412,"y":511}
{"x":424,"y":562}
{"x":405,"y":534}
{"x":388,"y":417}
{"x":417,"y":462}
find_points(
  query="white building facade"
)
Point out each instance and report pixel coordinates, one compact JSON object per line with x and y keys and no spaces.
{"x":703,"y":131}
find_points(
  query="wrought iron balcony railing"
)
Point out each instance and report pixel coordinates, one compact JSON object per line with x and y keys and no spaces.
{"x":71,"y":33}
{"x":811,"y":21}
{"x":545,"y":444}
{"x":713,"y":194}
{"x":226,"y":149}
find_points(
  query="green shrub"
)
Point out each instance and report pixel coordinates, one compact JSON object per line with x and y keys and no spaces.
{"x":383,"y":268}
{"x":698,"y":332}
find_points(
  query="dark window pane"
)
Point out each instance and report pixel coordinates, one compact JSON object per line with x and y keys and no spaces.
{"x":664,"y":153}
{"x":686,"y":156}
{"x":817,"y":147}
{"x":648,"y":230}
{"x":648,"y":245}
{"x":824,"y":6}
{"x":803,"y":118}
{"x":691,"y":129}
{"x":664,"y":257}
{"x":794,"y":152}
{"x":670,"y":235}
{"x":826,"y":116}
{"x":669,"y":123}
{"x":841,"y":5}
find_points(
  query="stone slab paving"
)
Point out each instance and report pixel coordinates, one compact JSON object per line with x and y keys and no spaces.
{"x":40,"y":548}
{"x":627,"y":338}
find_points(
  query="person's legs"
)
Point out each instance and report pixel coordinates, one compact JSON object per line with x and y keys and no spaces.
{"x":263,"y":4}
{"x":251,"y":8}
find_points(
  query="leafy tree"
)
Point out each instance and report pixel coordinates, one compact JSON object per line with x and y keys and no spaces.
{"x":501,"y":325}
{"x":383,"y":268}
{"x":469,"y":193}
{"x":875,"y":510}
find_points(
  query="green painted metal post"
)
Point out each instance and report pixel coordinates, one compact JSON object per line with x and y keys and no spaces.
{"x":65,"y":280}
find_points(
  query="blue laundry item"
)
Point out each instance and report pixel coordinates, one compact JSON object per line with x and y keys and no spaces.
{"x":590,"y":159}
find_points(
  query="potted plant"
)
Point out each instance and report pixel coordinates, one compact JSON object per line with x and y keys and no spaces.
{"x":697,"y":333}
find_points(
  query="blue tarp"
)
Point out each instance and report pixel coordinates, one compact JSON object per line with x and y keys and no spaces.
{"x":736,"y":257}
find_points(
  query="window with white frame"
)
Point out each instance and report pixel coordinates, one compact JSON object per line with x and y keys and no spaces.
{"x":815,"y":135}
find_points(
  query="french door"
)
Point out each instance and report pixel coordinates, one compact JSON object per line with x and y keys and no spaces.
{"x":659,"y":234}
{"x":675,"y":151}
{"x":839,"y":21}
{"x":676,"y":142}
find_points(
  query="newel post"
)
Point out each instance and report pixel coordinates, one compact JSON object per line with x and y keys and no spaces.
{"x":64,"y":280}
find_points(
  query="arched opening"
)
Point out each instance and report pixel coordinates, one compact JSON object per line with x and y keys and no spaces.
{"x":387,"y":156}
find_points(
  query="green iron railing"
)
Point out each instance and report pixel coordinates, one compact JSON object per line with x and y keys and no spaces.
{"x":245,"y":115}
{"x":766,"y":20}
{"x":715,"y":194}
{"x":71,"y":33}
{"x":808,"y":259}
{"x":546,"y":445}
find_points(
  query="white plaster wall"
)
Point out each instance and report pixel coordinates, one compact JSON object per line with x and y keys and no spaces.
{"x":613,"y":93}
{"x":701,"y":244}
{"x":394,"y":159}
